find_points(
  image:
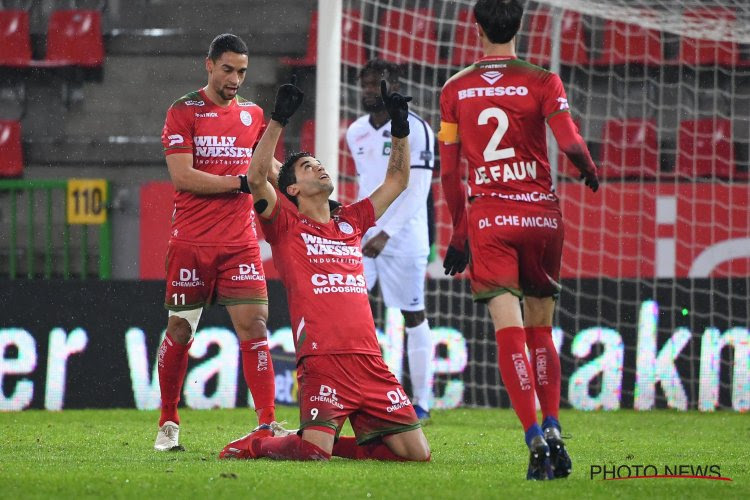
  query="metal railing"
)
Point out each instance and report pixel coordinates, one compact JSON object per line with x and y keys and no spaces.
{"x":45,"y":230}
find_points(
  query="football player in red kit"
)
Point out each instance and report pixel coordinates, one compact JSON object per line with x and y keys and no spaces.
{"x":494,"y":113}
{"x":340,"y":368}
{"x":213,"y":253}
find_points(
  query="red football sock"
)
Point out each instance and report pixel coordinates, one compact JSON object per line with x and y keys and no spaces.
{"x":546,"y":369}
{"x":259,"y":377}
{"x":347,"y":447}
{"x":290,"y":447}
{"x":516,"y":373}
{"x":172,"y":361}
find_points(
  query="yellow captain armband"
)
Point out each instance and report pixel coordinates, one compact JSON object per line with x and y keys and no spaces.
{"x":448,"y":133}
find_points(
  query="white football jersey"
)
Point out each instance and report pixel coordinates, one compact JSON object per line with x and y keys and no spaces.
{"x":405,"y":221}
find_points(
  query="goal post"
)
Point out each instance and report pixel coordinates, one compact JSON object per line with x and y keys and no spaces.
{"x":327,"y":89}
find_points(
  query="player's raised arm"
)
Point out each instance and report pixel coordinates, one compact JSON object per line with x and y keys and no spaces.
{"x":273,"y":172}
{"x":397,"y":174}
{"x":288,"y":99}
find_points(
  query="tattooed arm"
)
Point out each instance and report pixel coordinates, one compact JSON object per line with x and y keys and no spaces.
{"x":396,"y":177}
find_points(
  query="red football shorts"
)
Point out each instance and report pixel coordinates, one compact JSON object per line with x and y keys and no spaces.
{"x":202,"y":275}
{"x":516,"y":247}
{"x":333,"y":387}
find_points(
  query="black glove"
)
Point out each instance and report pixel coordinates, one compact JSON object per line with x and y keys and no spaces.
{"x":455,"y":260}
{"x":244,"y":186}
{"x":288,"y":100}
{"x":591,"y":180}
{"x":398,"y":110}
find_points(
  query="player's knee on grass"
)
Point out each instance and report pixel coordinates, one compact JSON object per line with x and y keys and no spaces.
{"x":411,"y":445}
{"x":413,"y":318}
{"x":322,"y":438}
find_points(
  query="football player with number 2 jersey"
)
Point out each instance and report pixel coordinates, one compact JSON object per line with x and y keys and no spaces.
{"x":340,"y":370}
{"x":494,"y":113}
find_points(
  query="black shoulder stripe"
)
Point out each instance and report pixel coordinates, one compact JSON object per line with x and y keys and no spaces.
{"x":426,"y":139}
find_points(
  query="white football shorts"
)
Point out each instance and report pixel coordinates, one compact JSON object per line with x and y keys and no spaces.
{"x":401,"y":280}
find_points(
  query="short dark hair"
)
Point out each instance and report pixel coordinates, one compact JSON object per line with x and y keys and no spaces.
{"x":390,"y":71}
{"x":226,"y":42}
{"x":500,"y":19}
{"x":287,"y":177}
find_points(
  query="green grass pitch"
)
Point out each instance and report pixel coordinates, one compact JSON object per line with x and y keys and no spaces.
{"x":476,"y":453}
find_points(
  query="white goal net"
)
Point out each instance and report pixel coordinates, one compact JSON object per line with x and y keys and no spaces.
{"x":656,"y":268}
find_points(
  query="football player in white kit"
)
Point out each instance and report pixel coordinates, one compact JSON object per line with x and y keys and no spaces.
{"x":397,"y":248}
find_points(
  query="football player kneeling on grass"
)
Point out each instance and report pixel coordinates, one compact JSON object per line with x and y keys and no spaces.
{"x":339,"y":364}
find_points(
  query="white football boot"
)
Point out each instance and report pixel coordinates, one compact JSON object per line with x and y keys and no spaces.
{"x":279,"y":431}
{"x":168,"y":437}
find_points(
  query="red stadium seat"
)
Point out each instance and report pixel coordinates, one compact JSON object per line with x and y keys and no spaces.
{"x":15,"y":42}
{"x":74,"y":38}
{"x":11,"y":156}
{"x":352,"y":48}
{"x":704,"y":148}
{"x":630,"y":149}
{"x":409,"y":36}
{"x":311,"y":55}
{"x":630,"y":43}
{"x":466,"y":46}
{"x":700,"y":52}
{"x":573,"y":40}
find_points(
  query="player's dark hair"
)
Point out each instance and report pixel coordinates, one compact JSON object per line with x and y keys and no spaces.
{"x":500,"y":19}
{"x":287,"y":177}
{"x":389,"y":71}
{"x":226,"y":42}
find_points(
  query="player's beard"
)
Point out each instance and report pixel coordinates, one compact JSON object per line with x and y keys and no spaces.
{"x":225,"y":95}
{"x":326,"y":187}
{"x":373,"y":106}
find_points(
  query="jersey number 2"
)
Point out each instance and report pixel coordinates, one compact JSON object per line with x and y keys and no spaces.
{"x":491,"y":153}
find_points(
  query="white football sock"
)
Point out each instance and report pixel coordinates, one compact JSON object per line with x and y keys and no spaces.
{"x":420,"y":350}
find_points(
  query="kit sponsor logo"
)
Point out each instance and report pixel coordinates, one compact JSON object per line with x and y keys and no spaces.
{"x":317,"y":245}
{"x":211,"y":146}
{"x":188,"y":278}
{"x":508,"y":91}
{"x":338,"y":283}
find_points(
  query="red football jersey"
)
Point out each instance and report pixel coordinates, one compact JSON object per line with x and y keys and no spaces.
{"x":221,"y":140}
{"x":322,"y":271}
{"x":497,"y":108}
